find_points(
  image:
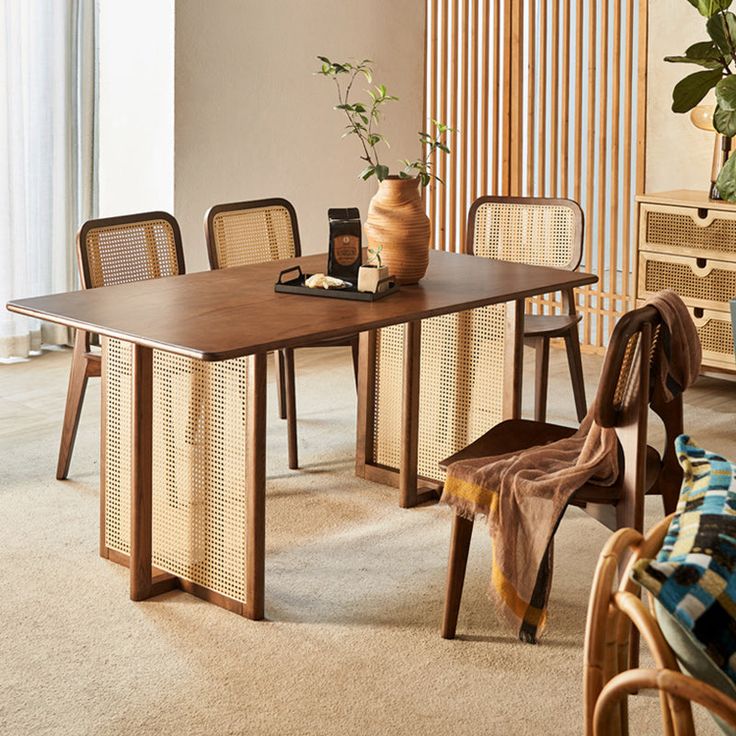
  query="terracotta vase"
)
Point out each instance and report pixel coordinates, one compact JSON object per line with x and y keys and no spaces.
{"x":397,"y":222}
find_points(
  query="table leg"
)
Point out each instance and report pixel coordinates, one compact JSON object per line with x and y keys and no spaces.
{"x":143,"y":584}
{"x":514,"y":359}
{"x":255,"y":548}
{"x":409,"y":494}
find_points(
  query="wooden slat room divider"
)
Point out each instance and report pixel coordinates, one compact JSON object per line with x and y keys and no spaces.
{"x":549,"y":97}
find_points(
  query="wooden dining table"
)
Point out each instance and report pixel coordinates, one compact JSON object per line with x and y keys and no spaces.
{"x":231,"y":313}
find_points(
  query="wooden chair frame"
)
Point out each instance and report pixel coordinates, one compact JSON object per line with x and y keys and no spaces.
{"x":285,"y":372}
{"x":616,"y":618}
{"x":623,"y":504}
{"x":540,"y":329}
{"x":85,"y":363}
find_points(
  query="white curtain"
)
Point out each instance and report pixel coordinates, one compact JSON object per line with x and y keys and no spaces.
{"x":48,"y":154}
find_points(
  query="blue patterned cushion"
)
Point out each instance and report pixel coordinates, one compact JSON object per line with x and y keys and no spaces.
{"x":694,"y":575}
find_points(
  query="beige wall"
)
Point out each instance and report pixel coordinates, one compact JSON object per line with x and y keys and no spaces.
{"x":136,"y":168}
{"x":678,"y":154}
{"x":252,"y":121}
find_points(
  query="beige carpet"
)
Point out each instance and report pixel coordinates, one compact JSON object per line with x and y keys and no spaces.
{"x":354,"y":594}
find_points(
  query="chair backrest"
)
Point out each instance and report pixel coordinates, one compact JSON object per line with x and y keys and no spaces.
{"x":628,"y":388}
{"x":243,"y":233}
{"x":119,"y":250}
{"x":534,"y":230}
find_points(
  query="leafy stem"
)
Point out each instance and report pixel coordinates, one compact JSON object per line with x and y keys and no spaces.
{"x":363,"y":119}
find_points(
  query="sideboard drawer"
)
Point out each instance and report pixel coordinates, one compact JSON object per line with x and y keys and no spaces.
{"x":700,"y":282}
{"x":682,"y":230}
{"x":716,"y":337}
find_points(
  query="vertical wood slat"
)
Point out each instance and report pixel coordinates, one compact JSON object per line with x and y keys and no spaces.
{"x":463,"y":140}
{"x":545,"y":97}
{"x":484,"y":120}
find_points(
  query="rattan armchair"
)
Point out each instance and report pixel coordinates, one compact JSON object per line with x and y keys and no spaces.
{"x":540,"y":232}
{"x":114,"y":250}
{"x":244,"y":233}
{"x":622,"y":402}
{"x":615,"y":612}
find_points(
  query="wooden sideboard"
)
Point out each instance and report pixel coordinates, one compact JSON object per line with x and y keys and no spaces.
{"x":687,"y":242}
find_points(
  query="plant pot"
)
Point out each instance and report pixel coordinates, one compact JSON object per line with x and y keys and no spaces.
{"x":370,"y":277}
{"x":397,"y":222}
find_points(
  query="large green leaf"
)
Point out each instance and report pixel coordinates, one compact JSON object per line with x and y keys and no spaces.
{"x":709,"y":7}
{"x":726,"y":93}
{"x":724,"y":121}
{"x":722,"y":29}
{"x":726,"y":182}
{"x":703,"y":53}
{"x":688,"y":92}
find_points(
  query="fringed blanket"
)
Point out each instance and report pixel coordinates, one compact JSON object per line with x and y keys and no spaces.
{"x":524,"y":495}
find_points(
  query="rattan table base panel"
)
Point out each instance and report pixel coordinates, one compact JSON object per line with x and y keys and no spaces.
{"x":461,"y":386}
{"x":199,"y":465}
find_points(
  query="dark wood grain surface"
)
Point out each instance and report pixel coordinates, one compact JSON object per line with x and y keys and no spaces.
{"x":215,"y":315}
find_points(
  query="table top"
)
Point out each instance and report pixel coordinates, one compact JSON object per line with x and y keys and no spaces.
{"x":216,"y":315}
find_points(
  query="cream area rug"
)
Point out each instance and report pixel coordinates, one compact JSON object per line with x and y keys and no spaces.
{"x":354,"y":593}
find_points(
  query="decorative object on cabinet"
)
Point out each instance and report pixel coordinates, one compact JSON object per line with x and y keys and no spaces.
{"x":714,"y":56}
{"x":687,"y":242}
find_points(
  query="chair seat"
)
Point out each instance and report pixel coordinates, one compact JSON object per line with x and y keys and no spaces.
{"x":515,"y":435}
{"x":549,"y":325}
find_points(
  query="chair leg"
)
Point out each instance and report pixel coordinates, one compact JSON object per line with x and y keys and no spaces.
{"x":278,"y":358}
{"x":290,"y":381}
{"x":575,"y":361}
{"x":462,"y":529}
{"x":355,"y":348}
{"x":78,"y":376}
{"x":541,"y":378}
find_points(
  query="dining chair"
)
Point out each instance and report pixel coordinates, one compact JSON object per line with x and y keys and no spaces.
{"x":114,"y":250}
{"x":616,"y":613}
{"x":622,"y":402}
{"x":245,"y":233}
{"x":541,"y":232}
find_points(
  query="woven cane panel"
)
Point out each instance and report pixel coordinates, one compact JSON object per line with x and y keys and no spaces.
{"x":697,"y":287}
{"x":678,"y":232}
{"x":461,"y":386}
{"x":254,"y":235}
{"x":540,"y":235}
{"x":134,"y":252}
{"x":199,"y":466}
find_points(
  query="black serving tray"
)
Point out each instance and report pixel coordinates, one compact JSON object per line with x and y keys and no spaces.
{"x":296,"y":286}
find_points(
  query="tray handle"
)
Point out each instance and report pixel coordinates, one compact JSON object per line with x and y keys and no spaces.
{"x":384,"y":280}
{"x":289,"y":270}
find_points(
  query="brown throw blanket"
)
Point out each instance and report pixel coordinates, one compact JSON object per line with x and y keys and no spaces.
{"x":524,"y":495}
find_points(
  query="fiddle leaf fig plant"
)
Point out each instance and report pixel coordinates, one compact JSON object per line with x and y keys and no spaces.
{"x":363,"y":118}
{"x":715,"y":56}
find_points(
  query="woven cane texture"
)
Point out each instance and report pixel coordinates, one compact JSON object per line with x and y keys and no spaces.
{"x":461,"y":386}
{"x":676,"y":231}
{"x":254,"y":235}
{"x":121,"y":254}
{"x":537,"y":234}
{"x":716,"y":339}
{"x":710,"y":287}
{"x":199,"y":466}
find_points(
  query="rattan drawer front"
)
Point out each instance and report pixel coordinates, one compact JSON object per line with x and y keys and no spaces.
{"x":716,"y":337}
{"x":702,"y":283}
{"x":461,"y":386}
{"x":199,"y":465}
{"x":681,"y":230}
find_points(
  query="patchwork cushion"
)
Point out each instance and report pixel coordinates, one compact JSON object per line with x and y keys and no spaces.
{"x":694,"y":575}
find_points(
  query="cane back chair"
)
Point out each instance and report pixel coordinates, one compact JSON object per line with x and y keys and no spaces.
{"x":615,"y":613}
{"x":114,"y":250}
{"x":622,"y":402}
{"x":540,"y":232}
{"x":244,"y":233}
